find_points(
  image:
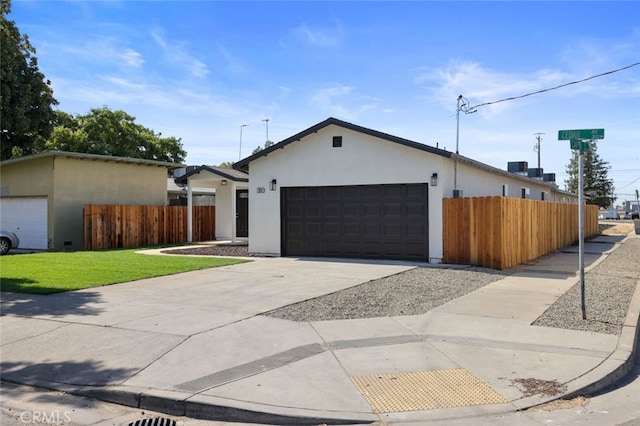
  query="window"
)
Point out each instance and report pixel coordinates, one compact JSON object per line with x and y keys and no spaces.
{"x":505,"y":190}
{"x":337,"y":141}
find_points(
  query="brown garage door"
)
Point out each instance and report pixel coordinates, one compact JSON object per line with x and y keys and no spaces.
{"x":360,"y":221}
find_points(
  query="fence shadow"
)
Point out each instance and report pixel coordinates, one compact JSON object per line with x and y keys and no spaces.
{"x":56,"y":305}
{"x":83,"y":373}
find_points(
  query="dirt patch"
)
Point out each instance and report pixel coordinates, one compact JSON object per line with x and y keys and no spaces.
{"x":531,"y":386}
{"x":562,"y":404}
{"x":616,"y":228}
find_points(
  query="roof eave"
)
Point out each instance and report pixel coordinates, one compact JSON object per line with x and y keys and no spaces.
{"x":183,"y":179}
{"x":244,"y":164}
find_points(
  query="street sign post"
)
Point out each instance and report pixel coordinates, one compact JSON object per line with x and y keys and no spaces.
{"x":580,"y":141}
{"x":580,"y":144}
{"x":585,"y":134}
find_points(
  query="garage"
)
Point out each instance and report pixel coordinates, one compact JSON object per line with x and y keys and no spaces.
{"x":360,"y":221}
{"x":27,"y":217}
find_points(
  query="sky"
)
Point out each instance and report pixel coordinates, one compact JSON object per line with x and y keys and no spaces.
{"x":199,"y":70}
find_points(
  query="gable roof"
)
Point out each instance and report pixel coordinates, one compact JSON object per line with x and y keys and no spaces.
{"x":95,"y":157}
{"x":244,"y":164}
{"x":230,"y":174}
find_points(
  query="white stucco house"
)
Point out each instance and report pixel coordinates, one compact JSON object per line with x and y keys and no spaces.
{"x":340,"y":190}
{"x":231,"y":199}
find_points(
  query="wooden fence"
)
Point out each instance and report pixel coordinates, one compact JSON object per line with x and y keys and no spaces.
{"x":124,"y":226}
{"x":501,"y":232}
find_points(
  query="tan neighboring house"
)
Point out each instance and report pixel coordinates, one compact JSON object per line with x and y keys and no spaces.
{"x":42,"y":196}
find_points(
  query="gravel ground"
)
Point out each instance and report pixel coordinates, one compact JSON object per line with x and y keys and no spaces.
{"x":608,"y":291}
{"x":233,"y":250}
{"x":609,"y":288}
{"x":415,"y":291}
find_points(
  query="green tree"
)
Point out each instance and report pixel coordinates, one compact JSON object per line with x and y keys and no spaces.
{"x":26,"y":98}
{"x":597,"y":186}
{"x":226,"y":165}
{"x":267,"y":144}
{"x":106,"y":132}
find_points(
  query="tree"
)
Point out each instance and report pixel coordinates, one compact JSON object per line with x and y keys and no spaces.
{"x":267,"y":144}
{"x":596,"y":184}
{"x":26,"y":98}
{"x":226,"y":165}
{"x":115,"y":133}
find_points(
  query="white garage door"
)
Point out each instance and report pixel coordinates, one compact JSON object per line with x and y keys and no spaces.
{"x":27,"y":217}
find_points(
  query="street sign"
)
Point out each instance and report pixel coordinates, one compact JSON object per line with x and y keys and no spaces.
{"x":586,"y":134}
{"x":580,"y":140}
{"x":581,"y":145}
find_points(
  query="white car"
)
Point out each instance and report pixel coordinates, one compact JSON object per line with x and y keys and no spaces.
{"x":8,"y":241}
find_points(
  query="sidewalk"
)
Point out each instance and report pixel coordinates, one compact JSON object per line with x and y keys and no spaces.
{"x":196,"y":345}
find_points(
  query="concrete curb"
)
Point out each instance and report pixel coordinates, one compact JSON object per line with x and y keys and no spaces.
{"x":180,"y":404}
{"x":612,"y":369}
{"x":615,"y":367}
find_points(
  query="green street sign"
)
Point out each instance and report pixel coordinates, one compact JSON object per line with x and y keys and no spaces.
{"x":586,"y":134}
{"x":580,"y":145}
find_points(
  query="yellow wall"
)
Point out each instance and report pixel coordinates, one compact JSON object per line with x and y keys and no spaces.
{"x":71,"y":182}
{"x":32,"y":178}
{"x":86,"y":181}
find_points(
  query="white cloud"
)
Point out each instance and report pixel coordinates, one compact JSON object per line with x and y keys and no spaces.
{"x":177,"y":53}
{"x":483,"y":85}
{"x":332,"y":98}
{"x":132,"y":58}
{"x":107,"y":51}
{"x":320,"y":36}
{"x":232,"y":63}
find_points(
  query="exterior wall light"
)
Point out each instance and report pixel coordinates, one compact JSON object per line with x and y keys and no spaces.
{"x":272,"y":185}
{"x":434,"y":179}
{"x":223,"y":182}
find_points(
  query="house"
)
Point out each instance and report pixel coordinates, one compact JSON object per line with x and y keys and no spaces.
{"x":42,"y":196}
{"x":341,"y":190}
{"x":232,"y":199}
{"x":177,"y":194}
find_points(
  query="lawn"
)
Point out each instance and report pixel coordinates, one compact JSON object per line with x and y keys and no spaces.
{"x":55,"y":272}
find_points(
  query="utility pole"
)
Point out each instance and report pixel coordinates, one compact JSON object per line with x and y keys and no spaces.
{"x":266,"y":120}
{"x":462,"y":105}
{"x":240,"y":151}
{"x":537,"y":146}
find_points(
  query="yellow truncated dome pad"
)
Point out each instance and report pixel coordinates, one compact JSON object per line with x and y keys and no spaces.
{"x":425,"y":390}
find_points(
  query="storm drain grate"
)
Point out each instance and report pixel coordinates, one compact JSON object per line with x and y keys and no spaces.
{"x":425,"y":390}
{"x":153,"y":421}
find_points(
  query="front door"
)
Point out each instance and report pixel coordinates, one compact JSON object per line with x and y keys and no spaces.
{"x":242,"y":213}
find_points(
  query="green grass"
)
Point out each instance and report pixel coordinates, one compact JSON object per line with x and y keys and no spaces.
{"x":55,"y":272}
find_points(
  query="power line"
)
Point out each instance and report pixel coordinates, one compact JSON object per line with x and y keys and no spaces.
{"x":629,"y":184}
{"x":554,"y":88}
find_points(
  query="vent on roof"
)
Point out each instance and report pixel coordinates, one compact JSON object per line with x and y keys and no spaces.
{"x":518,"y":167}
{"x":535,"y":173}
{"x":549,"y":177}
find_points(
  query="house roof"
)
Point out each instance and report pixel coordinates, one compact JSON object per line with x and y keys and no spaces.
{"x":230,"y":174}
{"x":94,"y":157}
{"x":244,"y":164}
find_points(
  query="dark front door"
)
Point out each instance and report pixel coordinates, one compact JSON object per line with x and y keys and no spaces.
{"x":361,"y":221}
{"x":242,"y":213}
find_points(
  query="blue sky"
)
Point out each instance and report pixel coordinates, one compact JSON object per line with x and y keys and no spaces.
{"x":197,"y":70}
